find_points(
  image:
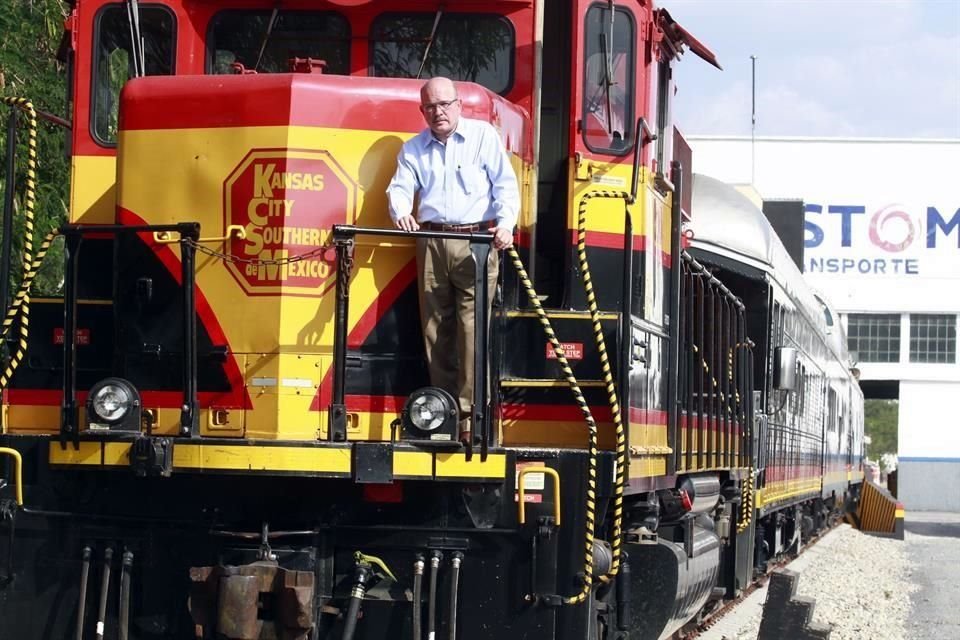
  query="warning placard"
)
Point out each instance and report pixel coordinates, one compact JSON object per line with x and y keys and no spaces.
{"x":571,"y":351}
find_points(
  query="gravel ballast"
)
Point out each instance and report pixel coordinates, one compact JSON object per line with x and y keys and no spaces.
{"x":862,"y":586}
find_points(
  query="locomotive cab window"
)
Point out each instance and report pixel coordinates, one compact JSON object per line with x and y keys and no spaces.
{"x":608,"y":83}
{"x":467,"y":47}
{"x":266,"y":41}
{"x":114,"y":60}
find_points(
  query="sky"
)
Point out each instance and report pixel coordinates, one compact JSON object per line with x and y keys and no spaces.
{"x":847,"y":68}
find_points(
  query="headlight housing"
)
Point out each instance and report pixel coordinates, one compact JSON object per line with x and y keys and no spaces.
{"x":111,"y":402}
{"x":431,"y":414}
{"x":113,"y":405}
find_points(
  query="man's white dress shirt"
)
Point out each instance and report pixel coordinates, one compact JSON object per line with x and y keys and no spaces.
{"x":465,"y":180}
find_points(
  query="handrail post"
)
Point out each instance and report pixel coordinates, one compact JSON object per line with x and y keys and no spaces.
{"x":626,"y":328}
{"x":343,"y":240}
{"x":189,"y":418}
{"x":8,"y":196}
{"x":69,"y":416}
{"x":480,"y":414}
{"x":10,"y":187}
{"x":73,"y":239}
{"x":676,"y":249}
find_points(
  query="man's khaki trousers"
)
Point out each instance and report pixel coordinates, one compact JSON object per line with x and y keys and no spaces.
{"x":445,"y":274}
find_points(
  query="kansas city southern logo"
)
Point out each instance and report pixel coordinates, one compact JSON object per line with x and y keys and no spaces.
{"x":287,"y":201}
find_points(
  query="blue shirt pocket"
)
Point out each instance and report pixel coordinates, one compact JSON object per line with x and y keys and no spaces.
{"x":473,"y":179}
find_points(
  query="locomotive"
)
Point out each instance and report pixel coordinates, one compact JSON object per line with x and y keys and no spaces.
{"x":224,"y":428}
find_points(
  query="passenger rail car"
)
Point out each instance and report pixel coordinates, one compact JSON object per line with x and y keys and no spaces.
{"x":209,"y":436}
{"x":809,"y":405}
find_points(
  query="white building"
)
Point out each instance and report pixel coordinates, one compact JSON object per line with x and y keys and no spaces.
{"x":882,"y":241}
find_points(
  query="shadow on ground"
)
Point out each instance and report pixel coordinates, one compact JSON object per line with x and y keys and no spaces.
{"x":933,"y":529}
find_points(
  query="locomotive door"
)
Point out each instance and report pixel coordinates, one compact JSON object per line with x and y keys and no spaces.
{"x":611,"y":65}
{"x":607,"y":69}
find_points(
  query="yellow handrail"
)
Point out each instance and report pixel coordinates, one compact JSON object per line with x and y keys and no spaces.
{"x":17,"y":471}
{"x":556,"y":492}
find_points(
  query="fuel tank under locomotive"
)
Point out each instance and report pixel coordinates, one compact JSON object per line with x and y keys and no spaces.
{"x":669,"y":587}
{"x":674,"y":573}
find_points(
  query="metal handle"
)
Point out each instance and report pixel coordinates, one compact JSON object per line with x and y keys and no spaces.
{"x":17,"y":471}
{"x":556,"y":492}
{"x":233,"y":230}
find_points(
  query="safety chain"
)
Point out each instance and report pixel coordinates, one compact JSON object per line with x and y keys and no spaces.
{"x":226,"y":257}
{"x":23,"y":291}
{"x":29,"y":201}
{"x":346,"y":262}
{"x":746,"y":502}
{"x":581,"y":401}
{"x":621,"y":481}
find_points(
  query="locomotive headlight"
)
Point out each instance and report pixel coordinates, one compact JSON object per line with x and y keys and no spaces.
{"x":113,"y":404}
{"x":427,"y":412}
{"x":430,"y":414}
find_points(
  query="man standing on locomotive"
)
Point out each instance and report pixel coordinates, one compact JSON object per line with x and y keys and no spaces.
{"x":461,"y":172}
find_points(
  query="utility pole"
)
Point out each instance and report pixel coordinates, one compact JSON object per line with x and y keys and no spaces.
{"x":753,"y":117}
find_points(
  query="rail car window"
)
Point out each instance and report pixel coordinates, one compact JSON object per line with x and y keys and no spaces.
{"x":776,"y":333}
{"x":266,"y":41}
{"x":468,"y":47}
{"x":804,"y":383}
{"x":608,"y":83}
{"x":113,"y":60}
{"x":832,"y":409}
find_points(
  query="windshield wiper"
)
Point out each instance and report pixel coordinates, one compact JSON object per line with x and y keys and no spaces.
{"x":433,"y":34}
{"x":606,"y":44}
{"x":136,"y":39}
{"x":607,"y":82}
{"x":266,"y":36}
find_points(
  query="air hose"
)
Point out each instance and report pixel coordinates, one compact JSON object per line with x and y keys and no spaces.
{"x":432,"y":598}
{"x":123,"y":633}
{"x":368,"y":570}
{"x":82,"y":602}
{"x":417,"y":596}
{"x":454,"y":587}
{"x":104,"y":590}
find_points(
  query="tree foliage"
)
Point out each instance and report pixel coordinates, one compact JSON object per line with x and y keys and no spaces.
{"x":880,"y":418}
{"x":32,"y":30}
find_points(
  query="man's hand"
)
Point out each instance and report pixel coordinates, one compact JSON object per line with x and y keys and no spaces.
{"x":407,"y":223}
{"x":502,"y":238}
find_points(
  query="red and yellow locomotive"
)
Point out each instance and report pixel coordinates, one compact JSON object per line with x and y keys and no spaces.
{"x":218,"y":407}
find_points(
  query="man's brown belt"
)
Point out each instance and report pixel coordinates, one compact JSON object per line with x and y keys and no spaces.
{"x":486,"y":225}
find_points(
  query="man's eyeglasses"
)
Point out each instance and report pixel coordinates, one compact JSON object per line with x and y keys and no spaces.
{"x":443,"y":105}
